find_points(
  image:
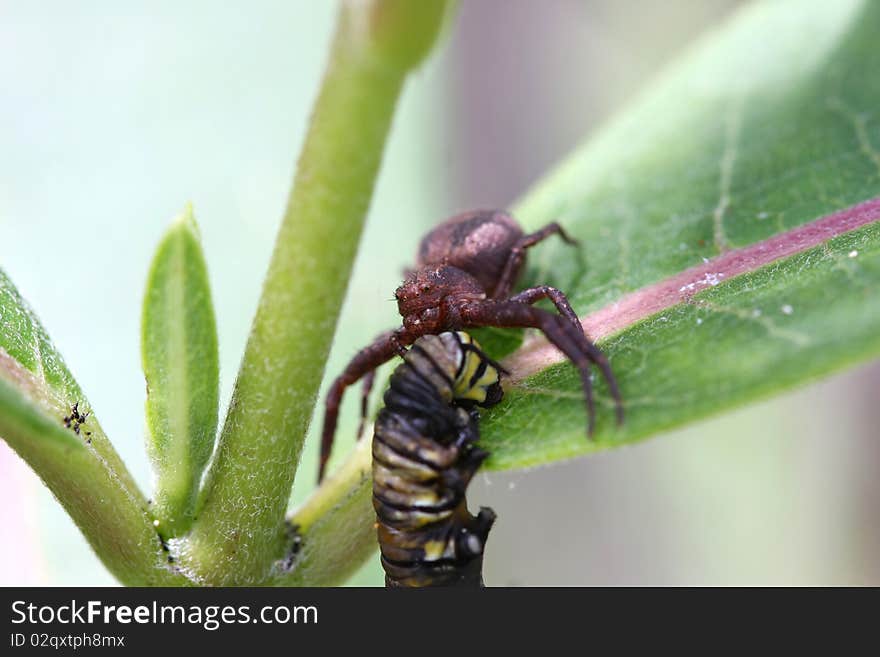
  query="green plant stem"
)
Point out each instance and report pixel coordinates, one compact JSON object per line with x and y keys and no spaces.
{"x":106,"y":506}
{"x":336,"y":525}
{"x":239,"y":530}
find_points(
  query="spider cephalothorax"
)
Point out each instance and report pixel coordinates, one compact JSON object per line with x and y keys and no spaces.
{"x":464,"y":274}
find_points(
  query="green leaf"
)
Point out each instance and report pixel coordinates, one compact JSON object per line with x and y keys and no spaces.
{"x":28,"y":359}
{"x":30,"y":364}
{"x":753,"y":153}
{"x":179,"y":349}
{"x":83,"y":471}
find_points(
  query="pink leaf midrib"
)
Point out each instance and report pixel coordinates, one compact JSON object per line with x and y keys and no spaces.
{"x":538,"y":354}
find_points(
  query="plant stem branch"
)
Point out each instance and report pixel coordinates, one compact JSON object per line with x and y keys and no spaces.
{"x":104,"y":503}
{"x":336,"y":525}
{"x":239,"y":531}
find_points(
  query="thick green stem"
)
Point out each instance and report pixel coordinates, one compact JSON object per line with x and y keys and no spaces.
{"x":102,"y":500}
{"x":239,"y":530}
{"x":336,"y":525}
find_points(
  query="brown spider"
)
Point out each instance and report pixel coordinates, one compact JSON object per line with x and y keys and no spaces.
{"x":463,"y":277}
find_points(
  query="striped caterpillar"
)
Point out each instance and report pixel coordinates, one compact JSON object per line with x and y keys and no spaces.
{"x":424,"y":456}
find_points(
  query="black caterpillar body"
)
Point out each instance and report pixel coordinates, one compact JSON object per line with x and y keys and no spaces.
{"x":423,"y":459}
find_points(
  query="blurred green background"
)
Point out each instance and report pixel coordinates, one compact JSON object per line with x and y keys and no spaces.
{"x":113,"y":116}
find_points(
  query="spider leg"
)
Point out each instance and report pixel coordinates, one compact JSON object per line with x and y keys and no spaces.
{"x":559,"y":330}
{"x":367,"y":386}
{"x":383,"y":349}
{"x":517,"y":255}
{"x":534,"y":294}
{"x":601,"y":360}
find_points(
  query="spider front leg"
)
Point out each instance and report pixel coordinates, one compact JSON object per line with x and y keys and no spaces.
{"x":517,"y":256}
{"x":366,"y":388}
{"x":383,"y":349}
{"x":534,"y":294}
{"x":559,"y":331}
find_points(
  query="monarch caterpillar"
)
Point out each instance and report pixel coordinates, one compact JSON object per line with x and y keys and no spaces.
{"x":423,"y":459}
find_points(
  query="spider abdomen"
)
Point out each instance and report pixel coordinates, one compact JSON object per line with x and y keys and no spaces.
{"x":477,"y":242}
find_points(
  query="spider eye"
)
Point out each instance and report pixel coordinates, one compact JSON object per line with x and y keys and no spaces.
{"x":426,"y":287}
